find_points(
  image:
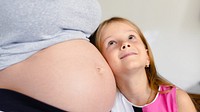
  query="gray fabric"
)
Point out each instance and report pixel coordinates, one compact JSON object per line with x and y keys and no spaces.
{"x":27,"y":26}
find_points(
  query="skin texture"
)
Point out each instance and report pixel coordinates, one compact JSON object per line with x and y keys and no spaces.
{"x":124,"y":50}
{"x":72,"y":76}
{"x":184,"y":102}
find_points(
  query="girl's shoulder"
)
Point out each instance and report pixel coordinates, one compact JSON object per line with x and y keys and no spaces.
{"x":184,"y":101}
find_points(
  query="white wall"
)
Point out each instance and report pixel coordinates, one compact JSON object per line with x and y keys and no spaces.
{"x":172,"y":28}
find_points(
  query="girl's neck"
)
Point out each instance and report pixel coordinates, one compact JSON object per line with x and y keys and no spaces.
{"x":135,"y":88}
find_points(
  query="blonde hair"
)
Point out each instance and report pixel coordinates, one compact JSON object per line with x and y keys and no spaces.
{"x":154,"y":78}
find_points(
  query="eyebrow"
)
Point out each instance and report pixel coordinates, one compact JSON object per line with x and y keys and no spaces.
{"x":107,"y":38}
{"x":135,"y":31}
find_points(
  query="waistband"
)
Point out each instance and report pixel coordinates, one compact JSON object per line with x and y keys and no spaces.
{"x":11,"y":101}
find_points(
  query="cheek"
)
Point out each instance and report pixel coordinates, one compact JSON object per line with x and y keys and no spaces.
{"x":111,"y":58}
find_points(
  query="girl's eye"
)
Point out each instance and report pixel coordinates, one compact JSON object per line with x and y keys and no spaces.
{"x":111,"y":43}
{"x":131,"y":37}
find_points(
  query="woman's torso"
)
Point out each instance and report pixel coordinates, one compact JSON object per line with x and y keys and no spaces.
{"x":43,"y":54}
{"x":71,"y":75}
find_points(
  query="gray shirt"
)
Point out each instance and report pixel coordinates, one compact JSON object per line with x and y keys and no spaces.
{"x":28,"y":26}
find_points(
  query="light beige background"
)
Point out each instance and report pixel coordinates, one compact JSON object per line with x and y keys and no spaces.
{"x":172,"y":28}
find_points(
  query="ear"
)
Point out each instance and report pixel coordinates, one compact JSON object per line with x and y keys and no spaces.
{"x":148,"y":59}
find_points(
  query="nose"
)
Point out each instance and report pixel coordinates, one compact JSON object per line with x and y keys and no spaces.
{"x":125,"y":46}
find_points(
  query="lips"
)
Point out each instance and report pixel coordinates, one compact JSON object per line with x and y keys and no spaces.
{"x":127,"y":54}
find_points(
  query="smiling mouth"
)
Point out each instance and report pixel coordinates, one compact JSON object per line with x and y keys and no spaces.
{"x":128,"y":54}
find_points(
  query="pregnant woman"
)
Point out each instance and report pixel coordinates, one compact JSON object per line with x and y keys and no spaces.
{"x":46,"y":60}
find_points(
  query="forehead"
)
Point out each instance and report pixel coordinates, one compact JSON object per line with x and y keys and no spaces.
{"x":117,"y":27}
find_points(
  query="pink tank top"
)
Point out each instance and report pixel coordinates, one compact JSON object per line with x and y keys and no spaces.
{"x":163,"y":102}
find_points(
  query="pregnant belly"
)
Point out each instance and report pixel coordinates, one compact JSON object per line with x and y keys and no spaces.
{"x":71,"y":75}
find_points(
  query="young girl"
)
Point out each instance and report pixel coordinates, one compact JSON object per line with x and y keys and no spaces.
{"x":140,"y":88}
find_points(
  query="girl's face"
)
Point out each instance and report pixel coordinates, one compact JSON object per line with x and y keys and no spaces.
{"x":123,"y":48}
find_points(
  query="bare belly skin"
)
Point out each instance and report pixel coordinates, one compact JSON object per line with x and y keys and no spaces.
{"x":72,"y":76}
